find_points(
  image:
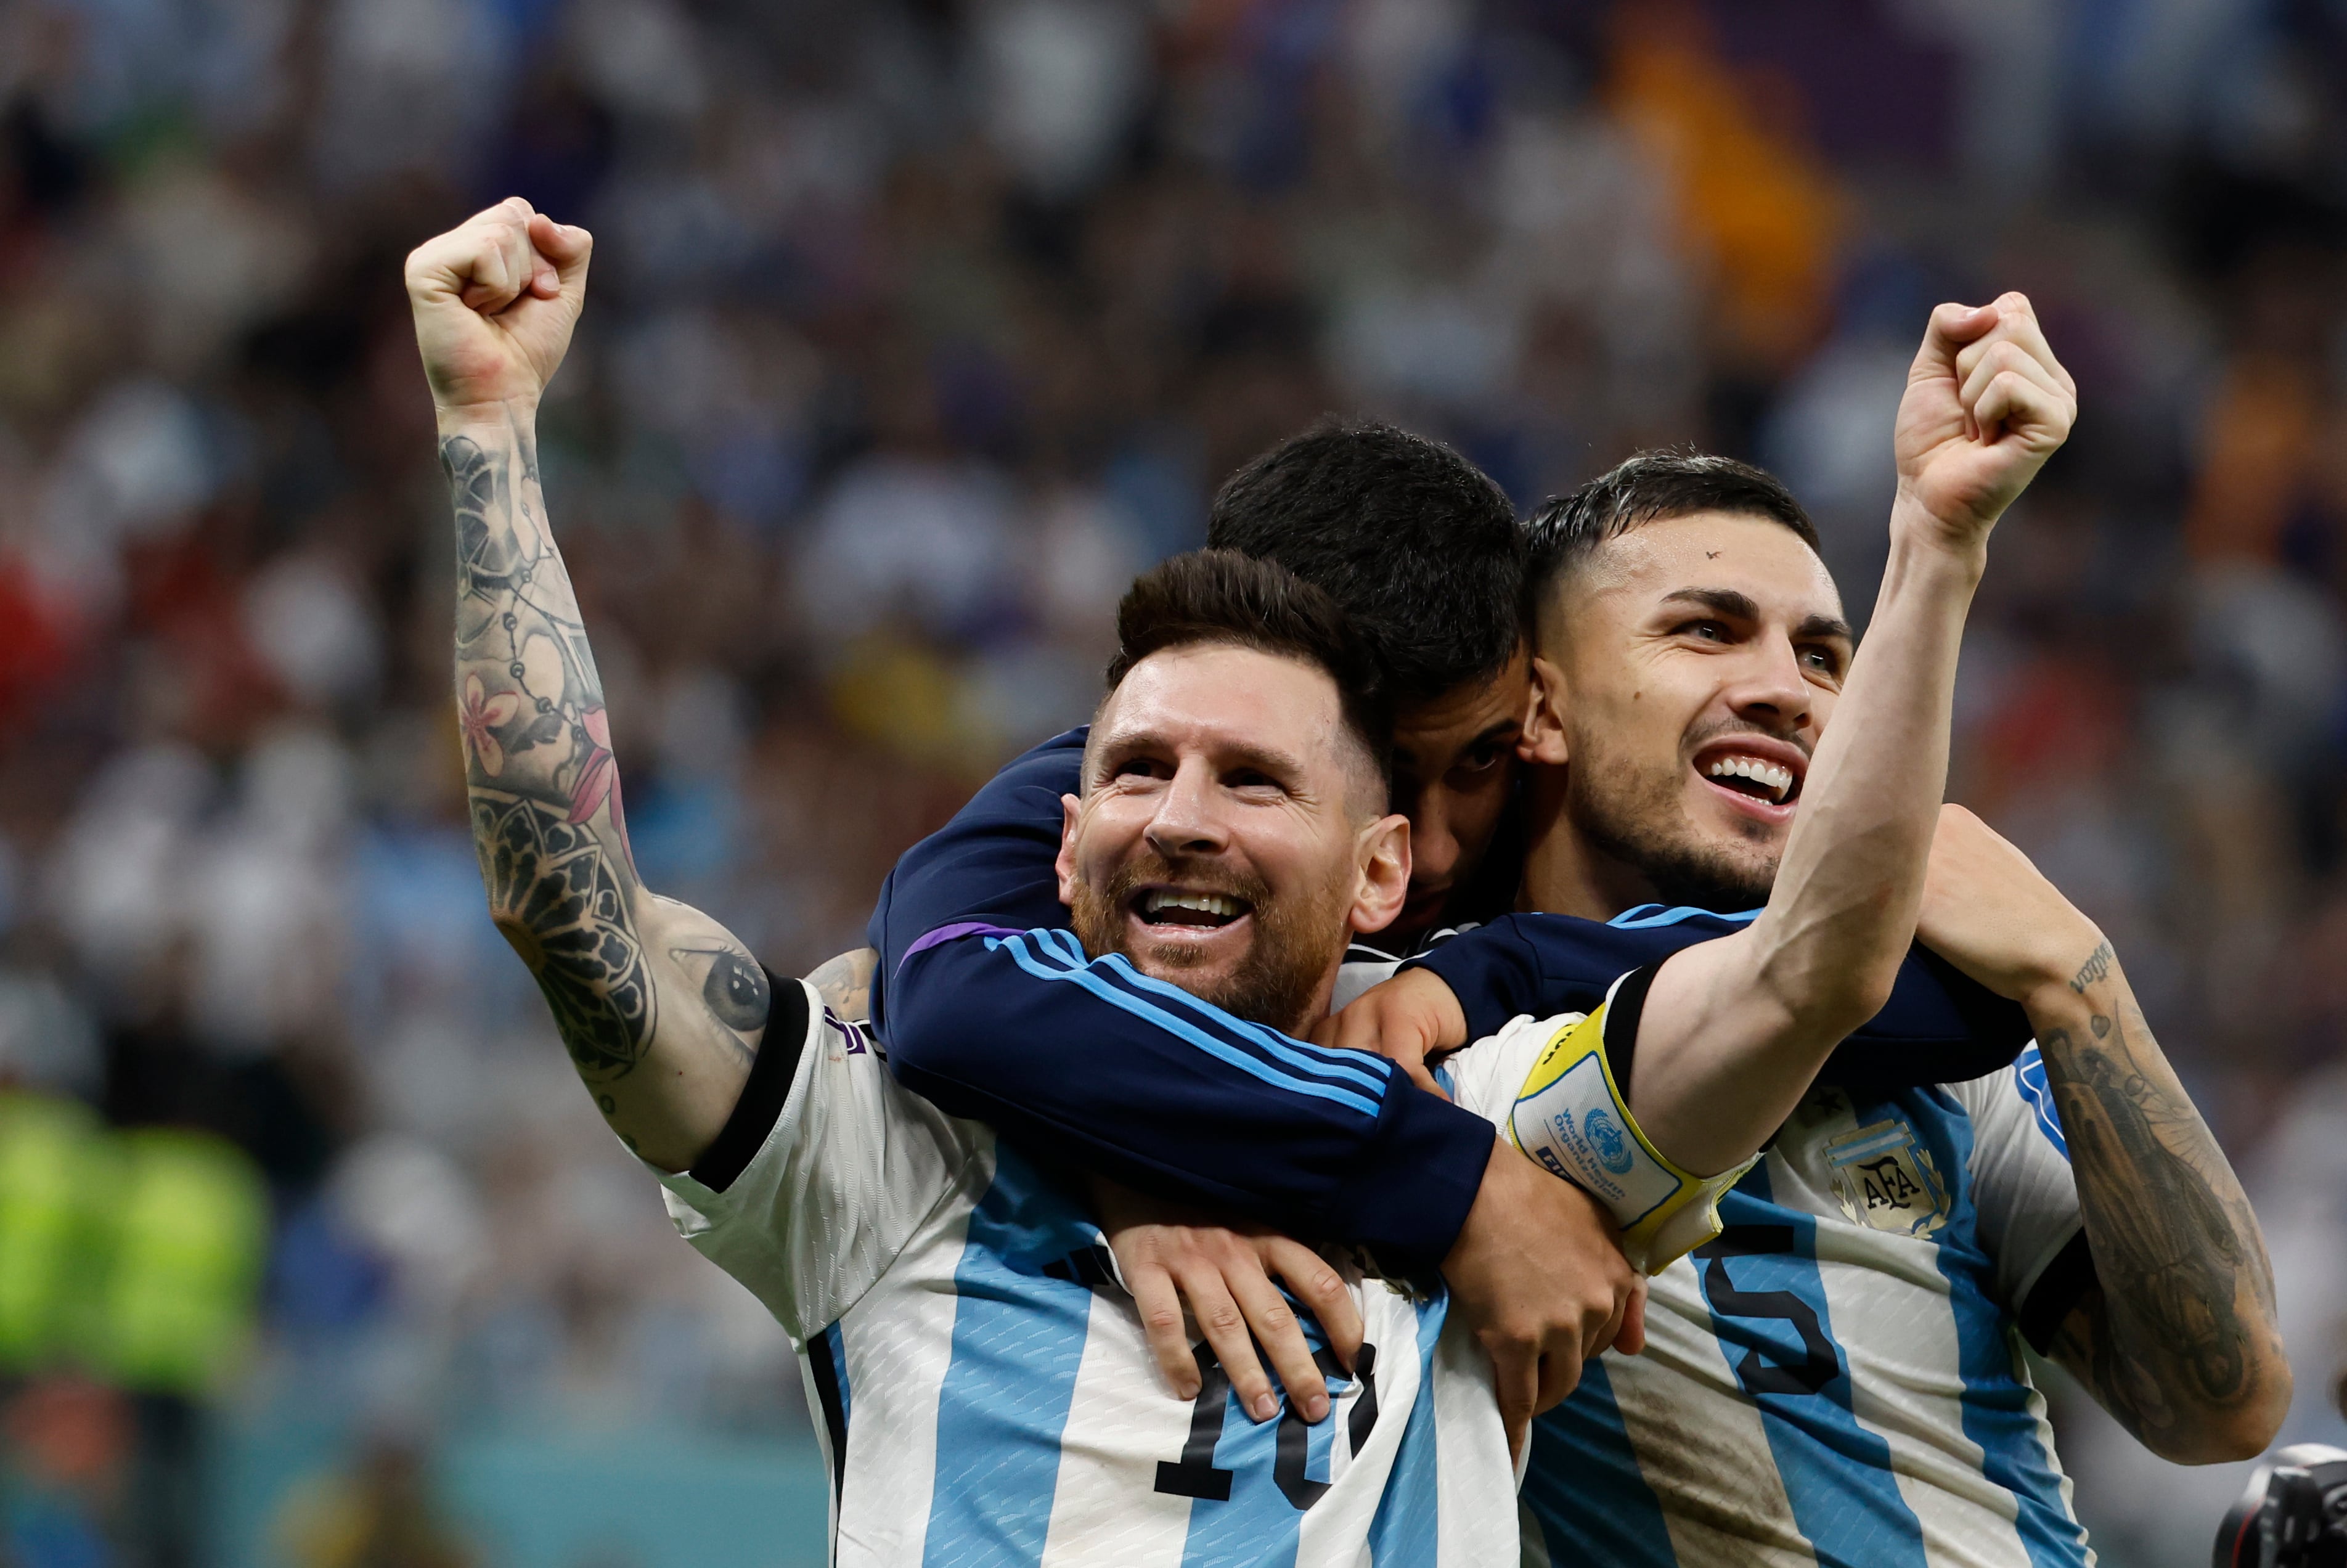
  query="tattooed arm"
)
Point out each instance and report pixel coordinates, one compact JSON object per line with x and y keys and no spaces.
{"x":661,"y":1008}
{"x":2177,"y":1337}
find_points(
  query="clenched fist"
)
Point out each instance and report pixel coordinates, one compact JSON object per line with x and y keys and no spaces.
{"x":1986,"y":404}
{"x":496,"y":299}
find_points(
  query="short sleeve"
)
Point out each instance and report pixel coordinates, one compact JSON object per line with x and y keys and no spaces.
{"x":1487,"y":1076}
{"x":835,"y":1172}
{"x":2023,"y":1190}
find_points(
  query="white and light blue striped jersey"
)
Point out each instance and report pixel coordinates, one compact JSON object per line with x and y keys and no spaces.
{"x":1838,"y":1379}
{"x":984,"y":1390}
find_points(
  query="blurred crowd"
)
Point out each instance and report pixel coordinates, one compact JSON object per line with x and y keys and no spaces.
{"x":915,"y":328}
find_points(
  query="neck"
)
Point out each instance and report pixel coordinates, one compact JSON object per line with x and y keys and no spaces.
{"x":1563,"y":874}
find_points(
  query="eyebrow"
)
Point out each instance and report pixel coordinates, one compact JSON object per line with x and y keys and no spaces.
{"x":1729,"y":603}
{"x":1235,"y":754}
{"x":1491,"y":732}
{"x":1726,"y":600}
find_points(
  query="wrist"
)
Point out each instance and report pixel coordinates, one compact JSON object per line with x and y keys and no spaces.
{"x":496,"y":415}
{"x":1449,"y":1018}
{"x":1504,"y":1169}
{"x":1921,"y":539}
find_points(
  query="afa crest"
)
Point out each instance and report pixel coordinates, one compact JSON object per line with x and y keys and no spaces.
{"x":1886,"y":1181}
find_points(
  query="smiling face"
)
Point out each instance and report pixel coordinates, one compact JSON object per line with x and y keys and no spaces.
{"x":1232,"y":834}
{"x":1687,"y":670}
{"x":1454,"y":774}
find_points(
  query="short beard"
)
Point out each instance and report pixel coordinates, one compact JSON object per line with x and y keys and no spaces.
{"x":1276,"y":982}
{"x":1639,"y":819}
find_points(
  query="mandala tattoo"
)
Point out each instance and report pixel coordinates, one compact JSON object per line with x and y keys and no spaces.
{"x":559,"y":900}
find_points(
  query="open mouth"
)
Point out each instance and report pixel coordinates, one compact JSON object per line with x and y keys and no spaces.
{"x":1182,"y":908}
{"x":1770,"y":772}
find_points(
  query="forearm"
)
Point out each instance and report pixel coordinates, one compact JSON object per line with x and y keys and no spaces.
{"x":1734,"y":1031}
{"x":548,"y":824}
{"x":2180,"y":1342}
{"x":1142,"y":1083}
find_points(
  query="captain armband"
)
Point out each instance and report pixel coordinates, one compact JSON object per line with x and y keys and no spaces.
{"x":1572,"y":1118}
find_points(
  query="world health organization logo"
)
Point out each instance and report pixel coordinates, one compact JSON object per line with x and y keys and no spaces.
{"x":1613,"y":1149}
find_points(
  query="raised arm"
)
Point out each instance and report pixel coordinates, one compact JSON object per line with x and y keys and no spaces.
{"x":661,"y":1008}
{"x":2177,"y":1337}
{"x":1733,"y":1032}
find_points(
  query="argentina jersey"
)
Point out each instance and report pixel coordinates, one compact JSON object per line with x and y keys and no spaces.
{"x":983,"y":1389}
{"x":1837,"y":1379}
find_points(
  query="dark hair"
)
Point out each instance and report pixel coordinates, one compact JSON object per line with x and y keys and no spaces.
{"x":1418,"y":545}
{"x":1222,"y":595}
{"x":1646,"y":488}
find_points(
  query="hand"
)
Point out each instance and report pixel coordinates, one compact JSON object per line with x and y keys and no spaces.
{"x":1986,"y":404}
{"x":1541,"y":1277}
{"x":1167,"y":1256}
{"x":1990,"y":913}
{"x":1405,"y":1019}
{"x":496,"y":299}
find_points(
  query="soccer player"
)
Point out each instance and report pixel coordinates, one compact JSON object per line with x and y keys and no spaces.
{"x":1422,"y":551}
{"x":1682,"y":700}
{"x":987,"y":1394}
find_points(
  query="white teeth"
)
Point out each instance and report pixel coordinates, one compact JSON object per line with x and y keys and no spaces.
{"x":1769,"y":774}
{"x":1205,"y":903}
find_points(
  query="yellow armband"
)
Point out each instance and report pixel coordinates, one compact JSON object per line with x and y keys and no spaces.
{"x":1572,"y":1118}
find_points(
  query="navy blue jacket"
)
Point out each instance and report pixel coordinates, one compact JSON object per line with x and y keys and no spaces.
{"x":990,"y":1010}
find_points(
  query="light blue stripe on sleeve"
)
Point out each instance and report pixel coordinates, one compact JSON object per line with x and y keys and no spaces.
{"x":1368,"y":1071}
{"x":1017,"y":1337}
{"x":1836,"y":1474}
{"x":1999,"y":1413}
{"x":1224,"y":1051}
{"x":2029,"y":1078}
{"x":1585,"y":1489}
{"x":1645,"y":917}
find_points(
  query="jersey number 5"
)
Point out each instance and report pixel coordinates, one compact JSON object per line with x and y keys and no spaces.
{"x":1761,"y":1369}
{"x":1195,"y":1474}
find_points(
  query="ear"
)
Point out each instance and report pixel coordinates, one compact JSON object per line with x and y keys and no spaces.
{"x":1381,"y":855}
{"x":1542,"y":740}
{"x":1065,"y":863}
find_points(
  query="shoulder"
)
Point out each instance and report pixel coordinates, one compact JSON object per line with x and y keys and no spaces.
{"x":2015,"y":1098}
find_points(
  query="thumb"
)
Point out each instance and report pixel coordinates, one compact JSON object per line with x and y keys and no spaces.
{"x":566,"y":245}
{"x":1952,"y":326}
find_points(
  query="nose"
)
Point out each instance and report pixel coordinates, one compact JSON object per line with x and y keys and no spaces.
{"x":1187,"y":820}
{"x":1433,"y":843}
{"x":1772,"y":691}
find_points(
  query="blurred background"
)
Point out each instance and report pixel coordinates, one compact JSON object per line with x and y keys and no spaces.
{"x":916,"y":326}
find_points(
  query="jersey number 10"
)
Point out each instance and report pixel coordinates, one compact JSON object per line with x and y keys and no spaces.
{"x":1195,"y":1475}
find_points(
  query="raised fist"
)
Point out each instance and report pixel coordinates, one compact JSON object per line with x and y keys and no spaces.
{"x":1986,"y":404}
{"x":496,"y":299}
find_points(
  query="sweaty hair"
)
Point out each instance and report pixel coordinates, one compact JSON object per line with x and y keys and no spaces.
{"x":1647,"y":489}
{"x":1215,"y":596}
{"x":1416,"y":544}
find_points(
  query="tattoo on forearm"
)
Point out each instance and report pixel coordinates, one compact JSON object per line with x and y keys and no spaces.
{"x":2098,"y":965}
{"x":547,"y":817}
{"x":2184,"y":1311}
